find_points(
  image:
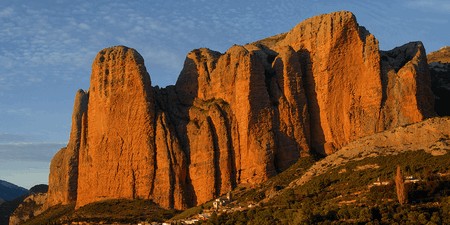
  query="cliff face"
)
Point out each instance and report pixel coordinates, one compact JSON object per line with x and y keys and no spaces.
{"x":235,"y":118}
{"x":63,"y":179}
{"x":439,"y":63}
{"x":407,"y":96}
{"x":116,"y":156}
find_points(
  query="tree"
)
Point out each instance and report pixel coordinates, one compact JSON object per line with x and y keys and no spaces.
{"x":213,"y":219}
{"x":402,"y":194}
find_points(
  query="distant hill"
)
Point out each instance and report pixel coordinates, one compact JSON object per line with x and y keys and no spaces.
{"x":9,"y":191}
{"x":40,"y":188}
{"x":7,"y":208}
{"x":23,"y":197}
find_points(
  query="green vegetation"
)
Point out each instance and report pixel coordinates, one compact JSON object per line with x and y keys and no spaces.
{"x":188,"y":213}
{"x":274,"y":184}
{"x":109,"y":211}
{"x":359,"y":192}
{"x":52,"y":215}
{"x":121,"y":210}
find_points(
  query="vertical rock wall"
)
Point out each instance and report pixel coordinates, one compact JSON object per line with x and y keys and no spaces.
{"x":118,"y":158}
{"x":63,"y":178}
{"x":235,"y":118}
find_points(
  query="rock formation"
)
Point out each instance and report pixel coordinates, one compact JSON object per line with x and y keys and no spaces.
{"x":439,"y":63}
{"x":407,"y":88}
{"x":33,"y":205}
{"x":434,"y":139}
{"x":235,"y":118}
{"x":63,"y":179}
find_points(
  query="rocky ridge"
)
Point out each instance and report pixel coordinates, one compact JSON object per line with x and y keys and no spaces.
{"x":34,"y":204}
{"x":235,"y":118}
{"x":434,"y":139}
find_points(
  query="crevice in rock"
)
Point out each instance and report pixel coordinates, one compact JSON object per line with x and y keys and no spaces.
{"x":216,"y":149}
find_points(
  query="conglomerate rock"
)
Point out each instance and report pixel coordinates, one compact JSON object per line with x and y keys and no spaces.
{"x":63,"y":178}
{"x":239,"y":117}
{"x":439,"y":64}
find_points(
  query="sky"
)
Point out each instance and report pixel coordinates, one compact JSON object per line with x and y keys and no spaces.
{"x":47,"y":48}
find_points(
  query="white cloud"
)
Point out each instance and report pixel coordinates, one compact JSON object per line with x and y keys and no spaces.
{"x":13,"y":138}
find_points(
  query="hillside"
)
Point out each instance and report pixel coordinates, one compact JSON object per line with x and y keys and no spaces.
{"x":104,"y":212}
{"x":440,"y":56}
{"x":356,"y":192}
{"x":355,"y":184}
{"x":11,"y":196}
{"x":431,"y":136}
{"x":9,"y":191}
{"x":352,"y":185}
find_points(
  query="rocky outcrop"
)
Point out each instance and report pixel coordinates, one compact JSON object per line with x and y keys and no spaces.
{"x":440,"y":56}
{"x":11,"y":196}
{"x":434,"y":139}
{"x":407,"y":96}
{"x":292,"y":114}
{"x":170,"y":179}
{"x":236,"y":78}
{"x":340,"y":61}
{"x":239,"y":117}
{"x":348,"y":91}
{"x":119,"y":157}
{"x":33,"y":205}
{"x":63,"y":178}
{"x":439,"y":64}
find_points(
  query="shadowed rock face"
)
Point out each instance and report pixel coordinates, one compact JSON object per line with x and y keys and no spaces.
{"x":439,"y":63}
{"x":235,"y":118}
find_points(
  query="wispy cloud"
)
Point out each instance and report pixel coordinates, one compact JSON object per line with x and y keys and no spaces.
{"x":13,"y":138}
{"x":26,"y":147}
{"x":33,"y":43}
{"x":24,"y":160}
{"x":8,"y":11}
{"x":430,"y":5}
{"x":28,"y":151}
{"x":25,"y":174}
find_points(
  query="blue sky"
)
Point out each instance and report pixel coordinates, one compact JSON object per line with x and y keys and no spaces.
{"x":47,"y":47}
